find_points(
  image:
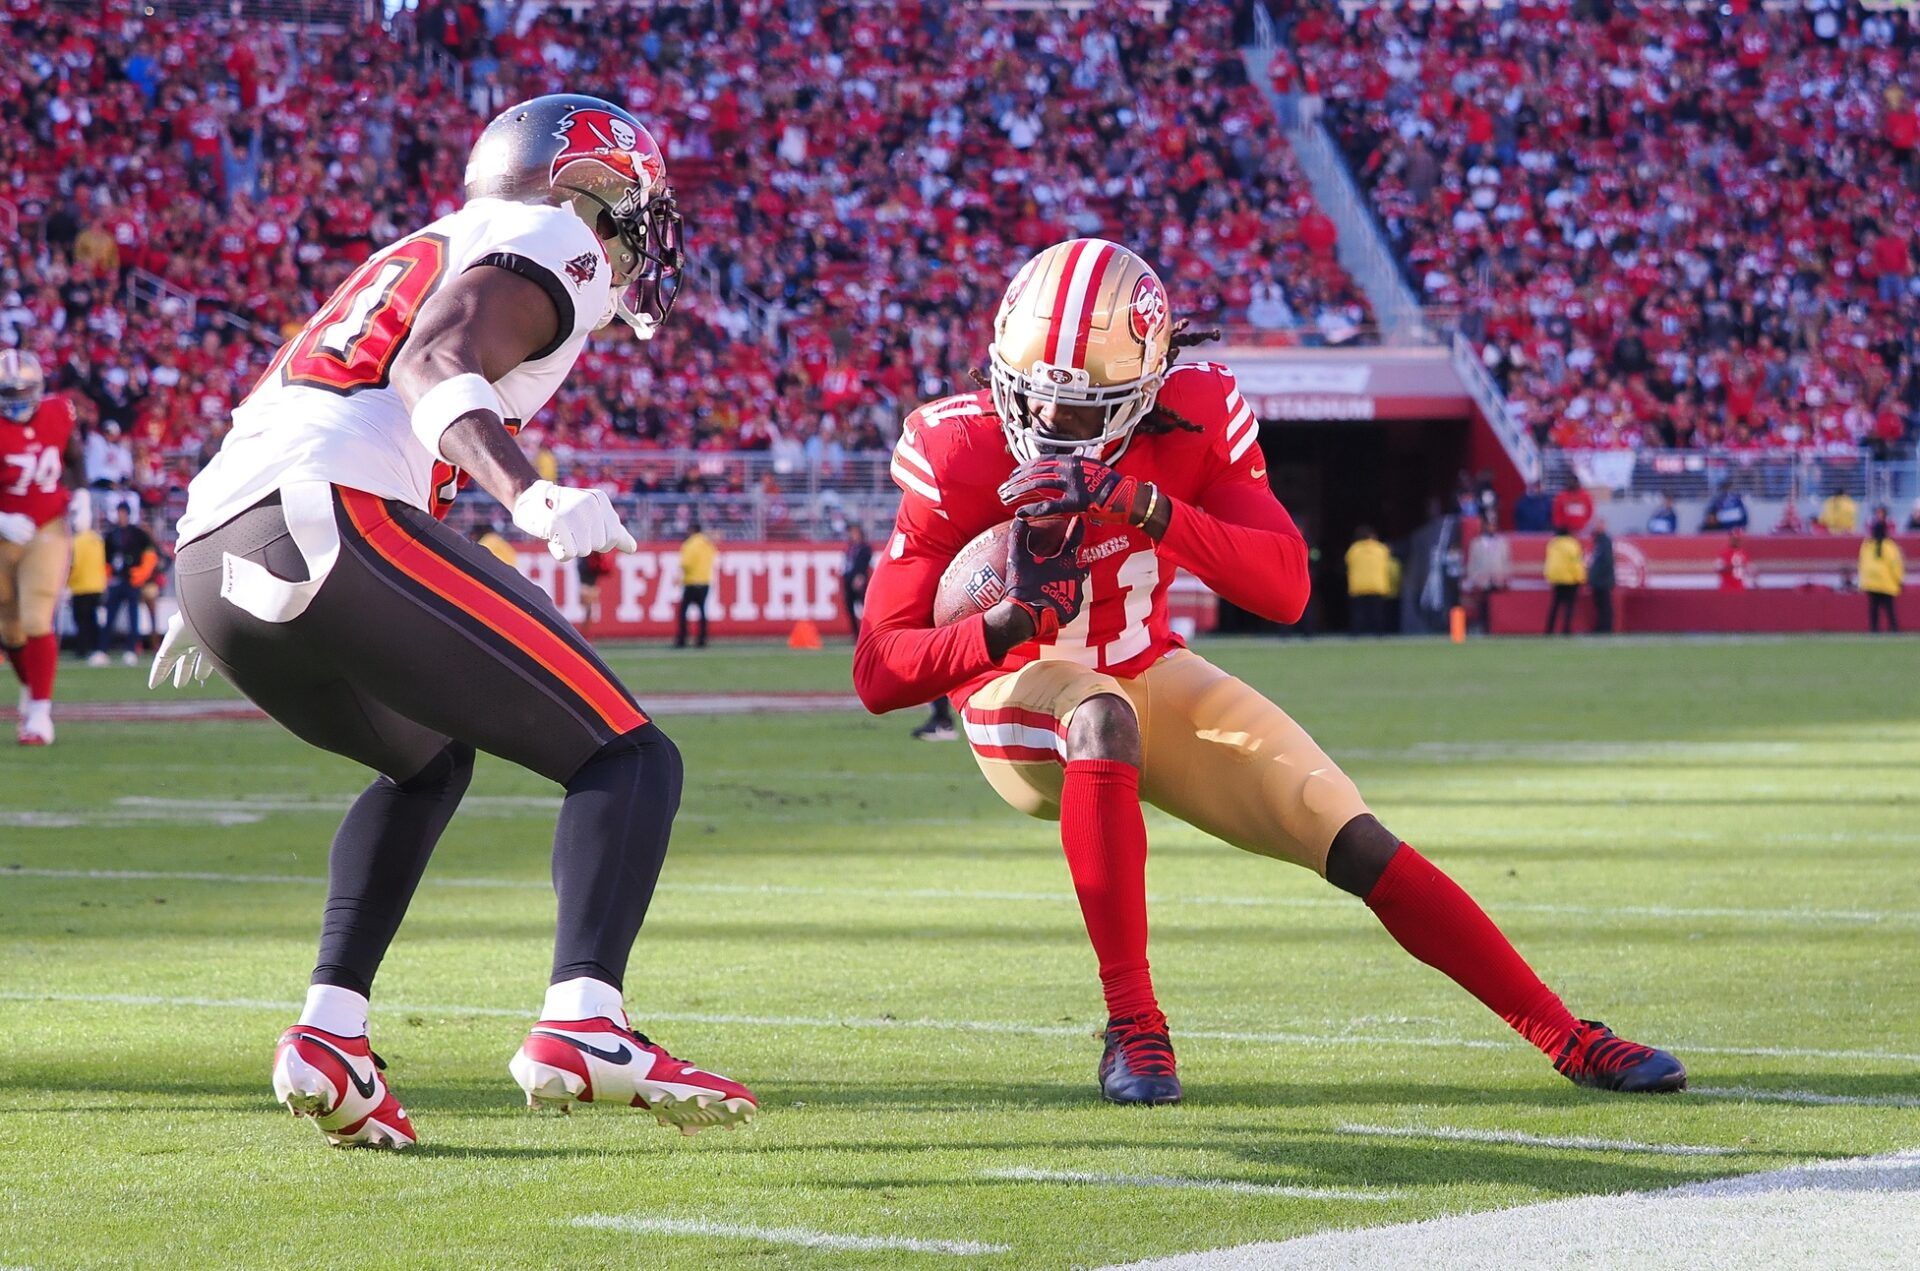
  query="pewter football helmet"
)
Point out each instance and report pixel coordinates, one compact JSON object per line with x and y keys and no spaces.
{"x":597,"y":159}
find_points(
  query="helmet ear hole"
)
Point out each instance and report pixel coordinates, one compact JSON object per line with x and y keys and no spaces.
{"x":604,"y":228}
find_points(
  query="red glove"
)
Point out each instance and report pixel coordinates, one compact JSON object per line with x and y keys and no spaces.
{"x":1049,"y":586}
{"x":1071,"y":486}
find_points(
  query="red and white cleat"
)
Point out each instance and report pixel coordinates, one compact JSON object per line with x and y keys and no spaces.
{"x":598,"y":1061}
{"x":36,"y":722}
{"x":337,"y":1081}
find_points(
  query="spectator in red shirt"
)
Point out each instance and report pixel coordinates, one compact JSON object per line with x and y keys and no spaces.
{"x":1572,"y":508}
{"x":1736,"y":567}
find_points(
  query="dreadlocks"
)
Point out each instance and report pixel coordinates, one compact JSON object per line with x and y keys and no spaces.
{"x":1162,"y":419}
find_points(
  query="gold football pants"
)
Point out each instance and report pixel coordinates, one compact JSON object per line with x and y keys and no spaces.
{"x":1214,"y":752}
{"x":32,"y":575}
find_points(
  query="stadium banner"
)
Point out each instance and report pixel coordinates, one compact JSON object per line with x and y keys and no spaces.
{"x":759,"y":589}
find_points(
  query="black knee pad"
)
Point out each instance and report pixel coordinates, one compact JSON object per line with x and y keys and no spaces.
{"x":447,"y":773}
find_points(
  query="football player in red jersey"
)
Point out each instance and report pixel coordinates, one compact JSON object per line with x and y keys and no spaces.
{"x":1078,"y":699}
{"x":39,"y":463}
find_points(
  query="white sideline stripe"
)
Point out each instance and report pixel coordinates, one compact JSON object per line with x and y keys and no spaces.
{"x":799,"y":1237}
{"x":1898,"y":916}
{"x":1519,"y":1138}
{"x":997,"y":1027}
{"x":1239,"y":1187}
{"x":1760,"y":1094}
{"x":1838,"y":1215}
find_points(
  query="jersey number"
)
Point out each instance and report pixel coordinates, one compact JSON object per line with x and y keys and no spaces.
{"x":351,"y":342}
{"x":1139,"y":574}
{"x":39,"y":470}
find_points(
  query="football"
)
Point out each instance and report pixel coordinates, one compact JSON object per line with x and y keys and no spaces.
{"x":976,"y":580}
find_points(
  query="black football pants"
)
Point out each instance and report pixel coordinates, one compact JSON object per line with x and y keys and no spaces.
{"x":419,"y":649}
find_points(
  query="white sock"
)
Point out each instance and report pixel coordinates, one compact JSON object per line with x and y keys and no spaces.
{"x":335,"y":1010}
{"x":583,"y":998}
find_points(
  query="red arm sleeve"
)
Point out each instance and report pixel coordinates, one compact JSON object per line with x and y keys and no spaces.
{"x":1240,"y":542}
{"x":901,"y":658}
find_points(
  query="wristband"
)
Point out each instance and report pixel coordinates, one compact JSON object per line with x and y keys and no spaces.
{"x":440,"y":406}
{"x":1153,"y":505}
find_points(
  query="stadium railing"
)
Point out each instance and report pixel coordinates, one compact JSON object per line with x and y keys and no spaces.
{"x":1696,"y":474}
{"x":1486,"y":394}
{"x":319,"y":15}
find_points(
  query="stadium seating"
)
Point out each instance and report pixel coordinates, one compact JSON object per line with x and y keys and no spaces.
{"x":1665,"y":225}
{"x":873,"y":176}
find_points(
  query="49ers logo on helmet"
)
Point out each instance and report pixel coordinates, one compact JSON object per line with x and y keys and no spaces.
{"x":1147,"y":311}
{"x":591,"y":135}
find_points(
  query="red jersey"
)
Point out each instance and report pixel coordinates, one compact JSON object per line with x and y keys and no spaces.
{"x":1736,"y":569}
{"x":33,"y":462}
{"x":1226,"y":528}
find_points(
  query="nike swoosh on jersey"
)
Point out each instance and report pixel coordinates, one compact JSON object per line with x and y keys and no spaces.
{"x":367,"y":1088}
{"x":620,"y":1056}
{"x":1259,"y":473}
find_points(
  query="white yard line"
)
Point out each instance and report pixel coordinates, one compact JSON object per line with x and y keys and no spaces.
{"x":1238,"y":1187}
{"x":998,"y":1027}
{"x":1834,"y":1216}
{"x":1664,"y":912}
{"x":1758,"y":1094}
{"x":797,"y":1237}
{"x":1518,"y":1138}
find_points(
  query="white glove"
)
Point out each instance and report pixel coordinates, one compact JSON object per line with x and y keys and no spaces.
{"x":17,"y":528}
{"x":573,"y":522}
{"x":179,"y":658}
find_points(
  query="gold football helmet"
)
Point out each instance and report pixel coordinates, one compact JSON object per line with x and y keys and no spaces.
{"x":1083,"y":324}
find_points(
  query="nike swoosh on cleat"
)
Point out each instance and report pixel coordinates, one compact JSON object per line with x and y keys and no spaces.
{"x":367,"y":1088}
{"x":620,"y":1056}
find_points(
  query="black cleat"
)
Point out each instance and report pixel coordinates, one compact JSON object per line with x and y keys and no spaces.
{"x":1138,"y":1065}
{"x":1594,"y":1057}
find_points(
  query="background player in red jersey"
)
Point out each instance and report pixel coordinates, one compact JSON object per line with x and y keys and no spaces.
{"x":1078,"y":698}
{"x":39,"y":462}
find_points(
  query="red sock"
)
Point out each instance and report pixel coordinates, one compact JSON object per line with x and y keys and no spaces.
{"x":35,"y":662}
{"x":17,"y":657}
{"x":1105,"y":837}
{"x":1438,"y":923}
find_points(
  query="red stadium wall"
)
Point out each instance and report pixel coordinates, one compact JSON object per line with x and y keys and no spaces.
{"x":759,"y":589}
{"x":1670,"y":583}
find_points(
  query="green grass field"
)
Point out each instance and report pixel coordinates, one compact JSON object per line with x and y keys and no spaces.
{"x":1710,"y":845}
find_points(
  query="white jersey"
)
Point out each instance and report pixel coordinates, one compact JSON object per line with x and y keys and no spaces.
{"x":326,"y":410}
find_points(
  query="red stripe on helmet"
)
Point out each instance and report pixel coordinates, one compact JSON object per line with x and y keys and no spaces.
{"x":1085,"y":327}
{"x":1059,"y":323}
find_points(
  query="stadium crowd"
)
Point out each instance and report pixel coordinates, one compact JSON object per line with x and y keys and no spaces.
{"x":875,"y":174}
{"x":1665,"y":225}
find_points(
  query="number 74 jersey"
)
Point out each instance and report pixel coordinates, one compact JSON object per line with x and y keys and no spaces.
{"x":952,"y":458}
{"x":326,"y":408}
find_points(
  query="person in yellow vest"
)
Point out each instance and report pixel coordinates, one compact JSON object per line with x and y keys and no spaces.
{"x":1839,"y":514}
{"x":86,"y":583}
{"x":1370,"y":580}
{"x":697,"y":555}
{"x":1565,"y":569}
{"x":1882,"y":571}
{"x":494,"y":541}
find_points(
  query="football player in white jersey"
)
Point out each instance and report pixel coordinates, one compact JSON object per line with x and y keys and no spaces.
{"x":315,"y":574}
